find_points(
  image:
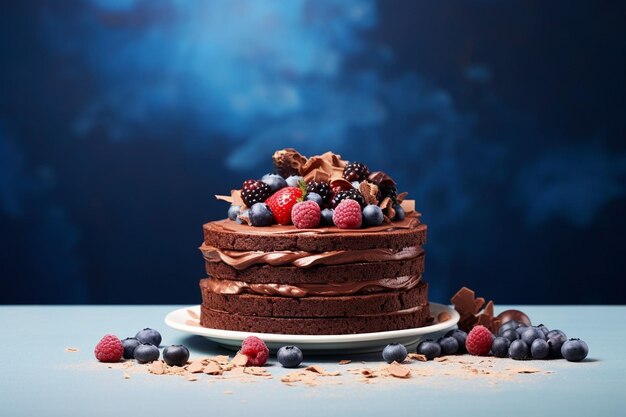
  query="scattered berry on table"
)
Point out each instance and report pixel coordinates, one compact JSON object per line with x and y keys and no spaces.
{"x":531,"y":334}
{"x":320,"y":188}
{"x":544,"y":329}
{"x":574,"y":350}
{"x":521,"y":329}
{"x":352,"y":194}
{"x":289,"y":356}
{"x":356,"y":171}
{"x":479,"y":341}
{"x":372,"y":215}
{"x":233,"y":212}
{"x":327,"y":217}
{"x":347,"y":215}
{"x":394,"y":352}
{"x":556,"y":333}
{"x":539,"y":349}
{"x":256,"y":350}
{"x":294,"y":180}
{"x":148,"y":335}
{"x":429,"y":348}
{"x":449,"y":345}
{"x":510,"y":334}
{"x":109,"y":349}
{"x":554,"y":345}
{"x":281,"y":203}
{"x":518,"y":350}
{"x":254,"y":191}
{"x":260,"y":215}
{"x":305,"y":215}
{"x":460,"y":337}
{"x":509,"y":325}
{"x":130,"y":343}
{"x":316,"y":198}
{"x":146,"y":352}
{"x":275,"y":181}
{"x":399,"y":213}
{"x":176,"y":355}
{"x":500,"y":347}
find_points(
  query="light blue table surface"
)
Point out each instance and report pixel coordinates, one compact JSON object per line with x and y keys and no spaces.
{"x":39,"y":378}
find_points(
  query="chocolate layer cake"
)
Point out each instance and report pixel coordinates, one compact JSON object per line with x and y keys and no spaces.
{"x":317,"y":280}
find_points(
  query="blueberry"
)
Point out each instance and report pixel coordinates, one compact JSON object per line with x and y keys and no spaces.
{"x":294,"y":180}
{"x":429,"y":349}
{"x":146,"y":352}
{"x":521,"y":329}
{"x":372,"y":215}
{"x":556,"y":338}
{"x":316,"y":198}
{"x":289,"y":356}
{"x":531,"y":334}
{"x":509,"y":325}
{"x":518,"y":350}
{"x":327,"y":217}
{"x":539,"y":349}
{"x":399,"y":212}
{"x":556,"y":333}
{"x":510,"y":334}
{"x":244,"y":213}
{"x":275,"y":181}
{"x":148,"y":335}
{"x":544,"y":329}
{"x":176,"y":355}
{"x":574,"y":350}
{"x":449,"y":345}
{"x":130,"y":343}
{"x":233,"y":212}
{"x":460,"y":337}
{"x":500,"y":346}
{"x":260,"y":215}
{"x":394,"y":352}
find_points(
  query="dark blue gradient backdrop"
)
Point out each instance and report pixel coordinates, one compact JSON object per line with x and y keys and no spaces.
{"x":120,"y":119}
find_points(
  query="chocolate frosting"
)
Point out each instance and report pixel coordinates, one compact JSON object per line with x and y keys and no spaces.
{"x":221,"y":286}
{"x":243,"y":259}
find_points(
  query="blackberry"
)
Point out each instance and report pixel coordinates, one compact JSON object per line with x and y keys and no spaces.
{"x":387,"y":190}
{"x":352,"y":194}
{"x":356,"y":171}
{"x":321,"y":188}
{"x":254,"y":191}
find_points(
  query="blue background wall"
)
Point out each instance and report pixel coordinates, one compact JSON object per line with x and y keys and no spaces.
{"x":120,"y":119}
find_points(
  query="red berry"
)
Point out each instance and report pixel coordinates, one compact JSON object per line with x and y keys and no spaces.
{"x":347,"y":215}
{"x":109,"y":349}
{"x":281,"y":203}
{"x":256,"y":350}
{"x":305,"y":215}
{"x":479,"y":341}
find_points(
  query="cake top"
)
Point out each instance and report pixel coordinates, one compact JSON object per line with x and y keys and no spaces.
{"x":319,"y":191}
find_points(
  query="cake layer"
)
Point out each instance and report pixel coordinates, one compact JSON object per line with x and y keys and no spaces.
{"x":360,"y":271}
{"x":227,"y":234}
{"x":337,"y":306}
{"x":417,"y":317}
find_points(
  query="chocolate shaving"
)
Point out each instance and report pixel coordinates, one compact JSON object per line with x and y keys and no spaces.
{"x":418,"y":357}
{"x":443,"y":316}
{"x":240,"y":360}
{"x":234,"y":198}
{"x":212,"y":369}
{"x":399,"y":371}
{"x":157,"y":368}
{"x":340,"y":184}
{"x":386,"y":205}
{"x":288,"y":162}
{"x":380,"y":177}
{"x":369,"y":192}
{"x":195,"y":367}
{"x":469,"y":308}
{"x":344,"y":361}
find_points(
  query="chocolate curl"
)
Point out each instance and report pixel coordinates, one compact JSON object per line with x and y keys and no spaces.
{"x":323,"y":167}
{"x":469,"y":308}
{"x":288,"y":162}
{"x":340,"y":184}
{"x":387,"y":207}
{"x":380,"y":177}
{"x":369,"y":192}
{"x":408,"y":206}
{"x":234,"y":198}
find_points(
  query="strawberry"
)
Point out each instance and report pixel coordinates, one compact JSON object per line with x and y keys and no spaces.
{"x":281,"y":203}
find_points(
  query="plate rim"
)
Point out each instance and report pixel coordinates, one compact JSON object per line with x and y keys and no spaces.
{"x":236,"y":335}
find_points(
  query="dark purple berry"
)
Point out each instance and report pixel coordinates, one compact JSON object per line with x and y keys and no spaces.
{"x":500,"y":347}
{"x":356,"y":171}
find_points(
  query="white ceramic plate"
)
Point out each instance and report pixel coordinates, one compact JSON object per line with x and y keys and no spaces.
{"x":187,"y":320}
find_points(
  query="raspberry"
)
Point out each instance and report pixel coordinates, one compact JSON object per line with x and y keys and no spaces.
{"x":306,"y":215}
{"x":256,"y":351}
{"x":281,"y":202}
{"x":347,"y":215}
{"x":109,"y":349}
{"x":479,"y":341}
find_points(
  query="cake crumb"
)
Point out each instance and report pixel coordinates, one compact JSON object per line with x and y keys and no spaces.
{"x":345,"y":361}
{"x":399,"y":371}
{"x":71,"y":349}
{"x":418,"y":357}
{"x":157,"y":368}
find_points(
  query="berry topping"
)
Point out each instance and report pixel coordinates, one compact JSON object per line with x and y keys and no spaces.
{"x":429,"y":348}
{"x":518,"y":350}
{"x":254,"y":191}
{"x":260,"y":215}
{"x":449,"y":345}
{"x":176,"y":355}
{"x":394,"y":352}
{"x":351,"y":194}
{"x":356,"y":171}
{"x":321,"y":188}
{"x":294,"y":180}
{"x":109,"y":349}
{"x":233,"y":212}
{"x":256,"y":351}
{"x":500,"y":347}
{"x":289,"y":356}
{"x":399,"y":213}
{"x":387,"y":190}
{"x":372,"y":215}
{"x":275,"y":181}
{"x":574,"y":350}
{"x":281,"y":203}
{"x":305,"y":215}
{"x":327,"y":217}
{"x":348,"y":215}
{"x":316,"y":198}
{"x":148,"y":335}
{"x":130,"y":343}
{"x":146,"y":352}
{"x":479,"y":341}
